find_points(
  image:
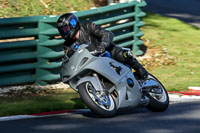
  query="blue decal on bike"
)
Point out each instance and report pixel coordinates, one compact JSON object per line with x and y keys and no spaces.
{"x":75,"y":46}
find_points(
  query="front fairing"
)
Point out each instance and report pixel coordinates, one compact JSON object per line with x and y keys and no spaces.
{"x":72,"y":66}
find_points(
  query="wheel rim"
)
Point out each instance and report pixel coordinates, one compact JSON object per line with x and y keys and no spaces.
{"x":104,"y":101}
{"x":162,"y":96}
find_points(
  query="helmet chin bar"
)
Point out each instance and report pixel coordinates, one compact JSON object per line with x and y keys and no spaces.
{"x":72,"y":33}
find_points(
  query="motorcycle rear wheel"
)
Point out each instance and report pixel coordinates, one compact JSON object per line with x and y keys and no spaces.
{"x":158,"y":102}
{"x":103,"y":106}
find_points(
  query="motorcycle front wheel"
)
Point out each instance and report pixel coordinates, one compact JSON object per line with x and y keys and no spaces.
{"x":158,"y":102}
{"x":99,"y":102}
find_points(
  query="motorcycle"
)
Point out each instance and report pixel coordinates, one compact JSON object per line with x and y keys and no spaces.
{"x":106,"y":85}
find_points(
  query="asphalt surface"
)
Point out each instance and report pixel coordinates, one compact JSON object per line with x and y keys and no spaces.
{"x":185,"y":10}
{"x":178,"y":118}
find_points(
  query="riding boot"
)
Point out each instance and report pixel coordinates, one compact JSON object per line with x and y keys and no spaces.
{"x":141,"y":72}
{"x":126,"y":56}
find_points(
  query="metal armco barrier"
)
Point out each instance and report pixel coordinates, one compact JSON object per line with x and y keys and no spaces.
{"x":31,"y":49}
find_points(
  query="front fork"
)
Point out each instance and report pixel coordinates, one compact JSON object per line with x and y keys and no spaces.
{"x":102,"y":89}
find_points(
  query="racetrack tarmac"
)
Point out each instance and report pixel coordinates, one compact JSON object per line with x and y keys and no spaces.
{"x":179,"y":117}
{"x":185,"y":10}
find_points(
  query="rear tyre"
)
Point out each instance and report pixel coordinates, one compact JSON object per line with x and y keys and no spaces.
{"x":102,"y":105}
{"x":158,"y":102}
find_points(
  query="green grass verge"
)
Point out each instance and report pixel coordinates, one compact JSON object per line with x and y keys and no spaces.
{"x":180,"y":40}
{"x":21,"y":8}
{"x":60,"y":100}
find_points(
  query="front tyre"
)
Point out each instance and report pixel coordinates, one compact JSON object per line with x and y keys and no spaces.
{"x":100,"y":103}
{"x":158,"y":102}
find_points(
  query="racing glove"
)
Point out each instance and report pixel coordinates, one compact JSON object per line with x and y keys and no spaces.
{"x":101,"y":48}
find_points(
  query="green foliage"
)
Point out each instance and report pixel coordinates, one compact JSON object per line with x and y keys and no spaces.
{"x":179,"y":40}
{"x":21,"y":8}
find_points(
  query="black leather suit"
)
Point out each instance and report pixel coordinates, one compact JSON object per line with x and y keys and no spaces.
{"x":97,"y":37}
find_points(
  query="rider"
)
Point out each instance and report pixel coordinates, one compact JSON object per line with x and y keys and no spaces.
{"x":100,"y":40}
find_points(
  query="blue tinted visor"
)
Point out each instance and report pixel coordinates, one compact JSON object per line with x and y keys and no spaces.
{"x":71,"y":25}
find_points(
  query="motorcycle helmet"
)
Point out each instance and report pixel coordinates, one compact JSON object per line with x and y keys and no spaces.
{"x":68,"y":26}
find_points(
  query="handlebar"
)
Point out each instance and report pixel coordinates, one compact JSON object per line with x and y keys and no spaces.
{"x":96,"y":52}
{"x":100,"y":53}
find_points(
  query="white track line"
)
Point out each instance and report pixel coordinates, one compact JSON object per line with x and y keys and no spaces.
{"x":20,"y":117}
{"x":194,"y":88}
